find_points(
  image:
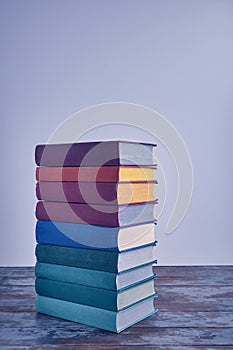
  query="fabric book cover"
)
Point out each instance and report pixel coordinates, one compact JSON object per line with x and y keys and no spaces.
{"x":97,"y":174}
{"x":94,"y":278}
{"x":114,"y":321}
{"x":96,"y":259}
{"x":97,"y":297}
{"x":96,"y":214}
{"x":108,"y":153}
{"x":107,"y":193}
{"x":95,"y":237}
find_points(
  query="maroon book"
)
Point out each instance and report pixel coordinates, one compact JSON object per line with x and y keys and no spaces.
{"x":97,"y":174}
{"x":95,"y":154}
{"x":103,"y":215}
{"x":96,"y":193}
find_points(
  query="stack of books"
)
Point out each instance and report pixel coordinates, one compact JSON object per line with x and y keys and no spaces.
{"x":96,"y":232}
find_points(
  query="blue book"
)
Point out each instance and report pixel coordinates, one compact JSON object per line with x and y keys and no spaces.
{"x":94,"y":237}
{"x":114,"y":321}
{"x":93,"y":278}
{"x":97,"y":297}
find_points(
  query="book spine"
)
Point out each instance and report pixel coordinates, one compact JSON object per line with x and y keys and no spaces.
{"x":83,"y":192}
{"x":84,"y":314}
{"x":78,"y":213}
{"x":77,"y":235}
{"x":83,"y":258}
{"x":78,"y":154}
{"x":76,"y":293}
{"x":81,"y":174}
{"x":69,"y":274}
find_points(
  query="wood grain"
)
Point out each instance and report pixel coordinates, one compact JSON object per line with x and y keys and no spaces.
{"x":195,"y":312}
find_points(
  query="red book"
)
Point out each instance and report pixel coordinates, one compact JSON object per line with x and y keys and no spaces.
{"x":97,"y":174}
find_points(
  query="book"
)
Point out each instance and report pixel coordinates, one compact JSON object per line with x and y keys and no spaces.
{"x":95,"y":237}
{"x":97,"y":174}
{"x":96,"y":214}
{"x":95,"y":259}
{"x":106,"y":193}
{"x":94,"y":278}
{"x":97,"y":297}
{"x":114,"y":321}
{"x":95,"y":154}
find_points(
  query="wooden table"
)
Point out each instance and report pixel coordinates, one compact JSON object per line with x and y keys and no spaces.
{"x":195,"y":312}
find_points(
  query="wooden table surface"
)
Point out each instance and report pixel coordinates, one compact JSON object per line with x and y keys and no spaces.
{"x":195,"y":312}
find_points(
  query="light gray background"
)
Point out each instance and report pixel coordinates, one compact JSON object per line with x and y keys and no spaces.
{"x":173,"y":56}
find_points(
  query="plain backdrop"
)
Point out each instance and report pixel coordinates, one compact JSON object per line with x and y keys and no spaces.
{"x":174,"y":56}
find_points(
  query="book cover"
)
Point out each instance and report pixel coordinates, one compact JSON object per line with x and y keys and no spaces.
{"x":106,"y":193}
{"x":94,"y":237}
{"x":97,"y":297}
{"x":97,"y":174}
{"x":108,"y":153}
{"x":96,"y":214}
{"x":93,"y":278}
{"x":95,"y":259}
{"x":105,"y":319}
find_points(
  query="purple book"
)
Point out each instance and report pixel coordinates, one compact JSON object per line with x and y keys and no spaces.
{"x":95,"y":154}
{"x":103,"y":215}
{"x":96,"y":193}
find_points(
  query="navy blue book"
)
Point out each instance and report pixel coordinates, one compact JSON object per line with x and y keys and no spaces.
{"x":94,"y":237}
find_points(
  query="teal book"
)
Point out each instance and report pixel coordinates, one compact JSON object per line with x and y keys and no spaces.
{"x":97,"y":297}
{"x":93,"y":278}
{"x":95,"y":259}
{"x":114,"y":321}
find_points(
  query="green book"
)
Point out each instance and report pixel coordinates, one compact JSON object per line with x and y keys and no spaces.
{"x":93,"y":278}
{"x":97,"y":297}
{"x":114,"y":321}
{"x":96,"y":259}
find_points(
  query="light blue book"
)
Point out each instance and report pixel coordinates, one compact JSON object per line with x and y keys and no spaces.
{"x":93,"y":278}
{"x":114,"y":321}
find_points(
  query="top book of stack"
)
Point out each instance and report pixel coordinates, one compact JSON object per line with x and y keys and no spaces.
{"x":106,"y":153}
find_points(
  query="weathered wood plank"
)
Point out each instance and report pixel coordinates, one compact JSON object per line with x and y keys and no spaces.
{"x":192,"y":298}
{"x":195,"y":303}
{"x":185,"y":298}
{"x":167,"y":275}
{"x":17,"y":281}
{"x":191,"y":275}
{"x":161,"y":319}
{"x":113,"y":347}
{"x":44,"y":334}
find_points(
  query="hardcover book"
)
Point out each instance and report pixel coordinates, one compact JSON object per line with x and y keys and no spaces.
{"x":114,"y":321}
{"x":93,"y":278}
{"x":95,"y":154}
{"x":97,"y":297}
{"x":94,"y":237}
{"x":97,"y":174}
{"x":106,"y":193}
{"x":96,"y":259}
{"x":96,"y":214}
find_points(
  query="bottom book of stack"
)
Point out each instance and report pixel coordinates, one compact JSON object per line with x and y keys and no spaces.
{"x":115,"y":296}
